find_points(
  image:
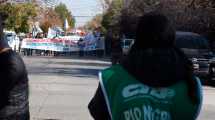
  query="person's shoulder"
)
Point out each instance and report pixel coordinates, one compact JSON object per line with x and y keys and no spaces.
{"x":8,"y":56}
{"x":112,"y":68}
{"x":15,"y":57}
{"x":15,"y":62}
{"x":13,"y":67}
{"x":109,"y":72}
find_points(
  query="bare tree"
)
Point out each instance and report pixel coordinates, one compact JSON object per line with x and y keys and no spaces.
{"x":195,"y":15}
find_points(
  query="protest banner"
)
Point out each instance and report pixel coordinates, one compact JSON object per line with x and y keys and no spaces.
{"x":60,"y":44}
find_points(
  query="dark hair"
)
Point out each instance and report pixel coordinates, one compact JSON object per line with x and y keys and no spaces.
{"x":156,"y":31}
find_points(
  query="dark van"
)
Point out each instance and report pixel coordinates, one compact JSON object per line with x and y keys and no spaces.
{"x":196,"y":47}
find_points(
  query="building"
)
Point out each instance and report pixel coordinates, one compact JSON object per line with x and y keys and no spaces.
{"x":42,"y":3}
{"x":46,"y":3}
{"x":17,"y":1}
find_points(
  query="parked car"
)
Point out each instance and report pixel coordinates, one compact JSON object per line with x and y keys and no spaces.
{"x":196,"y":47}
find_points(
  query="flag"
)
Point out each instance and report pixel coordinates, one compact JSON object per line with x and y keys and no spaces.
{"x":66,"y":24}
{"x":51,"y":33}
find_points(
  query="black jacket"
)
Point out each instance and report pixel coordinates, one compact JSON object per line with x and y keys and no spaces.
{"x":14,"y":103}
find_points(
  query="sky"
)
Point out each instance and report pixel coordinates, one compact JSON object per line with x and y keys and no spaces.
{"x":87,"y":8}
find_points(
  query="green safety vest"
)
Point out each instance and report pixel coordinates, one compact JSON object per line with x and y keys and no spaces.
{"x":129,"y":99}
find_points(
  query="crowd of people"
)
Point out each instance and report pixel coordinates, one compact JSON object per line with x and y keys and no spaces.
{"x":91,"y":44}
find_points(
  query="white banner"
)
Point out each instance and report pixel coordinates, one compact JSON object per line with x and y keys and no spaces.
{"x":62,"y":45}
{"x":50,"y":44}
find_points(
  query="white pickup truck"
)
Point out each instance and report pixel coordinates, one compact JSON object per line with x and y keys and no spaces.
{"x":12,"y":39}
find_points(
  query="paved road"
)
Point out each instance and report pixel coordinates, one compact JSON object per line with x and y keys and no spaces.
{"x":60,"y":88}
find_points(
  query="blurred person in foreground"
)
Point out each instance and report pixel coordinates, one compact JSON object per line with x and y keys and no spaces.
{"x":14,"y":103}
{"x":154,"y":82}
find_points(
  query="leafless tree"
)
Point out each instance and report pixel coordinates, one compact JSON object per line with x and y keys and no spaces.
{"x":187,"y":15}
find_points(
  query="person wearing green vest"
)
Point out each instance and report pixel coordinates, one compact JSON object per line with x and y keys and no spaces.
{"x":154,"y":82}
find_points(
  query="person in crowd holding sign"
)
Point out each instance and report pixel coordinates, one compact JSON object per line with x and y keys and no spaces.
{"x":81,"y":46}
{"x":14,"y":104}
{"x":116,"y":49}
{"x":155,"y":80}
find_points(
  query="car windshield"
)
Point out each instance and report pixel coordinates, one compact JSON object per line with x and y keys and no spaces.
{"x":191,"y":41}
